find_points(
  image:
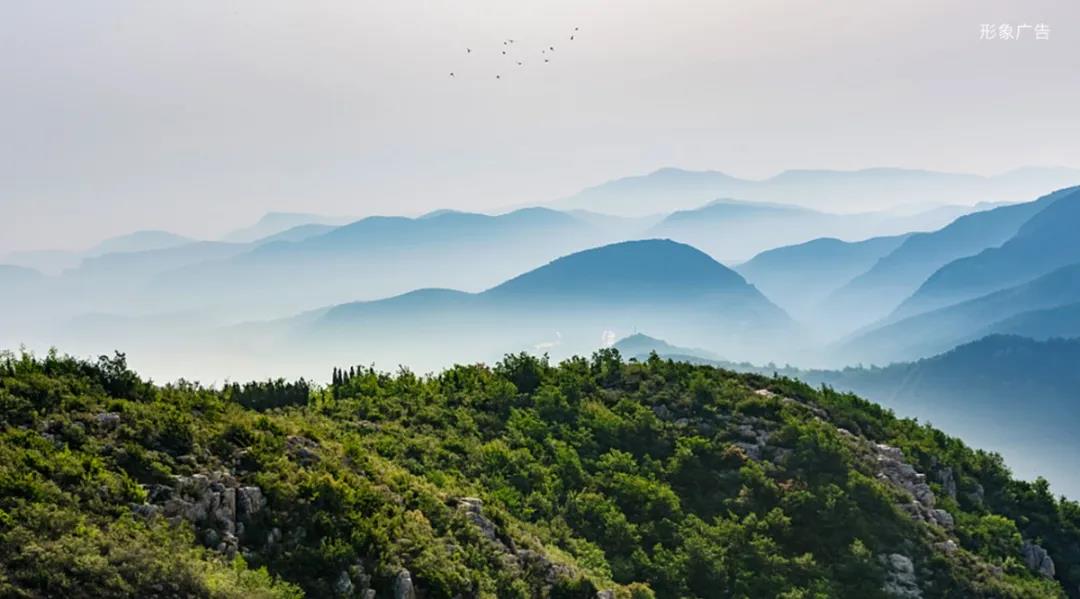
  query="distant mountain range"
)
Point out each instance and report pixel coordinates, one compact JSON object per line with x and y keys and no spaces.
{"x":1048,"y":240}
{"x":671,"y":189}
{"x":563,"y":308}
{"x":1024,"y":306}
{"x":273,"y":223}
{"x":55,"y":261}
{"x":799,"y":277}
{"x":878,"y":291}
{"x":734,"y":230}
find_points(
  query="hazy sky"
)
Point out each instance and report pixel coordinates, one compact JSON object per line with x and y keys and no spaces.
{"x":197,"y":116}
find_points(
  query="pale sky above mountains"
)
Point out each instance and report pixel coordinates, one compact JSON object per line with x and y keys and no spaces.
{"x":198,"y":116}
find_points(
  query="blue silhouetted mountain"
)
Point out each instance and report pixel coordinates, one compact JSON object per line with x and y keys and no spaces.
{"x":872,"y":189}
{"x":732,"y":230}
{"x":297,"y":233}
{"x":650,"y":269}
{"x":932,"y":332}
{"x":567,"y":306}
{"x":1062,"y":321}
{"x":662,"y":191}
{"x":56,"y":261}
{"x":1049,"y":240}
{"x":639,"y":346}
{"x":878,"y":291}
{"x":139,"y":241}
{"x":799,"y":277}
{"x":382,"y":256}
{"x":273,"y":223}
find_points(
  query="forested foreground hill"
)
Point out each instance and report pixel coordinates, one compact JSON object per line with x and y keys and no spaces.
{"x":594,"y":478}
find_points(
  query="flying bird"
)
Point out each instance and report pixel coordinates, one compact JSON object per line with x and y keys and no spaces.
{"x":468,"y":50}
{"x":451,"y":74}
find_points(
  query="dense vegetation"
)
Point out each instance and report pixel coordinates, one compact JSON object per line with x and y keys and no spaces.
{"x":526,"y":479}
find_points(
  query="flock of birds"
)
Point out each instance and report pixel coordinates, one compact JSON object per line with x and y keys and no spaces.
{"x":509,"y":47}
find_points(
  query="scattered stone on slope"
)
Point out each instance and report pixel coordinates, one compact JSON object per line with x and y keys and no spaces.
{"x":900,"y":579}
{"x":403,"y":585}
{"x":107,"y":420}
{"x":1037,"y":559}
{"x":948,"y":481}
{"x":892,"y":468}
{"x":302,"y":449}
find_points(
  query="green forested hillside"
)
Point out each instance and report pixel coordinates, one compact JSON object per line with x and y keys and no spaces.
{"x":590,"y":478}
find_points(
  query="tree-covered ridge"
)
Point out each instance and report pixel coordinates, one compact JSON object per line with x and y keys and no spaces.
{"x":593,"y":477}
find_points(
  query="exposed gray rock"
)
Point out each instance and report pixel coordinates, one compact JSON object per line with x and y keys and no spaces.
{"x":548,"y":570}
{"x":893,"y":469}
{"x":214,"y":502}
{"x":343,"y":586}
{"x":943,"y":518}
{"x":249,"y":501}
{"x":107,"y":420}
{"x":605,"y":595}
{"x":948,"y":546}
{"x":1037,"y":559}
{"x":403,"y":585}
{"x":302,"y":449}
{"x":900,"y":579}
{"x":948,"y":481}
{"x":753,"y":439}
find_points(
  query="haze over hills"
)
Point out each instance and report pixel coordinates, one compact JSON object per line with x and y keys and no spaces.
{"x":562,"y":308}
{"x":380,"y":256}
{"x":733,"y":230}
{"x":931,"y":332}
{"x":56,"y":261}
{"x":273,"y":223}
{"x":799,"y":277}
{"x":1048,"y":240}
{"x":672,"y":189}
{"x":878,"y":291}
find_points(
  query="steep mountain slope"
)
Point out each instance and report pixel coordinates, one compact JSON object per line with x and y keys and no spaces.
{"x":1047,"y":241}
{"x":799,"y":277}
{"x":878,"y":291}
{"x":592,"y":479}
{"x":1005,"y":393}
{"x":932,"y":332}
{"x":565,"y":307}
{"x":1014,"y":395}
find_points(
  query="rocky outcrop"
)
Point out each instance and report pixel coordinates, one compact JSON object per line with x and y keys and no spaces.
{"x":1037,"y":559}
{"x":403,"y":585}
{"x":217,"y":504}
{"x":900,"y":579}
{"x":107,"y":420}
{"x":302,"y":449}
{"x":892,"y":468}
